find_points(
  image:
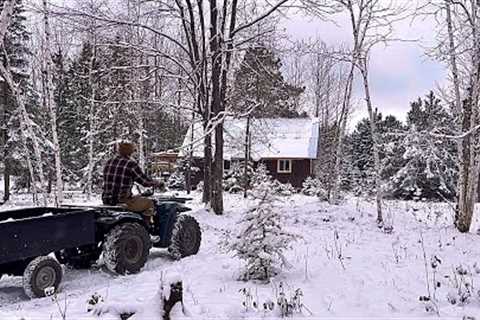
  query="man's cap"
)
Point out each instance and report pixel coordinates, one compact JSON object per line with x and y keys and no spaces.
{"x":126,"y":149}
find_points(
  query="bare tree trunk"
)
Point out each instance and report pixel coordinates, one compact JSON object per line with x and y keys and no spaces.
{"x":464,"y":212}
{"x":216,"y":107}
{"x":6,"y":184}
{"x":341,"y":129}
{"x":247,"y":157}
{"x":207,"y":163}
{"x":217,"y":172}
{"x":141,"y":121}
{"x":4,"y":141}
{"x":92,"y":123}
{"x":188,"y":178}
{"x":469,"y":153}
{"x":373,"y":130}
{"x":141,"y":139}
{"x":49,"y":99}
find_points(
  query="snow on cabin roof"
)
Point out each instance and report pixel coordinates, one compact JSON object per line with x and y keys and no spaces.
{"x":270,"y":138}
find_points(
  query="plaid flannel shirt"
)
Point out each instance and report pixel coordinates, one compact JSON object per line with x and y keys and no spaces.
{"x":119,"y":175}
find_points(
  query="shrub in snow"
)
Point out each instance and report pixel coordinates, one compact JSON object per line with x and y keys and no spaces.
{"x":283,"y":189}
{"x":176,"y":180}
{"x":249,"y":302}
{"x":282,"y":305}
{"x":261,"y":240}
{"x":260,"y":175}
{"x":234,"y":180}
{"x":289,"y":306}
{"x":314,"y":187}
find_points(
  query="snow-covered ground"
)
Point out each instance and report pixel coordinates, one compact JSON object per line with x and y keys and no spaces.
{"x":345,"y":266}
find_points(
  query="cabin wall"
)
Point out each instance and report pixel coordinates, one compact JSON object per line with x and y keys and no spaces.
{"x":301,"y":169}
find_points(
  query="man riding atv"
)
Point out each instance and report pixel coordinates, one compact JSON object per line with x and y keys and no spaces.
{"x":119,"y":175}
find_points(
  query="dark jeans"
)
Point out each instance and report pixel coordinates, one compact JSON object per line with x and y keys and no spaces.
{"x":165,"y":220}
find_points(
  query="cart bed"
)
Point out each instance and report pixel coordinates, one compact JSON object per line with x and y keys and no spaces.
{"x":32,"y":232}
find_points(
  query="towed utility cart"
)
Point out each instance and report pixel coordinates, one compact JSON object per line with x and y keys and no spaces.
{"x":79,"y":235}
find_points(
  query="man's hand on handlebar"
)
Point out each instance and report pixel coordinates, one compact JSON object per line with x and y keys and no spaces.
{"x":160,"y":185}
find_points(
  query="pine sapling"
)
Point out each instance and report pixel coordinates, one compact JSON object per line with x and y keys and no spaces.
{"x":262,"y":240}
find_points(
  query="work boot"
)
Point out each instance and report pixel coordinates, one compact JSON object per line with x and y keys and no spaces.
{"x":155,"y":239}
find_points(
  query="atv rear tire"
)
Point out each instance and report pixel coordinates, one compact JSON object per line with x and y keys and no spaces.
{"x":126,"y":248}
{"x":41,"y":274}
{"x":186,"y":237}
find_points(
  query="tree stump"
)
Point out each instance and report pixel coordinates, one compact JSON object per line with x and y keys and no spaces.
{"x":176,"y":295}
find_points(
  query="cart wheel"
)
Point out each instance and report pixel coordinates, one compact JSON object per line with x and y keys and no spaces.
{"x":41,"y":274}
{"x":126,"y":248}
{"x":186,"y":237}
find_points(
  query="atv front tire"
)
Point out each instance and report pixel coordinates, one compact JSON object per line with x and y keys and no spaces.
{"x":126,"y":248}
{"x":186,"y":237}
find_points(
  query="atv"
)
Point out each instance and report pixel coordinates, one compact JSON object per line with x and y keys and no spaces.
{"x":78,"y":235}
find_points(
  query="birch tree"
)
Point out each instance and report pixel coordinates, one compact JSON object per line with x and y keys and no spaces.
{"x":371,"y":23}
{"x":17,"y":52}
{"x":331,"y":90}
{"x":47,"y":70}
{"x":26,"y":129}
{"x":459,"y":48}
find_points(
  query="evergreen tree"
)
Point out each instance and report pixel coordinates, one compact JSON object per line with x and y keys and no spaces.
{"x":262,"y":240}
{"x":72,"y":116}
{"x":259,"y":83}
{"x":429,"y":169}
{"x":361,"y":174}
{"x":233,"y":180}
{"x":166,"y":131}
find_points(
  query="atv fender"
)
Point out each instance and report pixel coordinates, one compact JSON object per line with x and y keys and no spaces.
{"x":109,"y":219}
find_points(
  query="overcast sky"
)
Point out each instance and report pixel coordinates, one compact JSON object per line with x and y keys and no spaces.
{"x":399,"y":73}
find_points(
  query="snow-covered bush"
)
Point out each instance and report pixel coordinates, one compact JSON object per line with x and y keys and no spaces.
{"x":177,"y":180}
{"x":283,"y":189}
{"x":260,"y":175}
{"x":314,"y":187}
{"x":261,"y":240}
{"x":234,"y":179}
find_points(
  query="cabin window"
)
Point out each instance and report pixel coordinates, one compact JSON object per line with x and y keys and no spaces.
{"x":226,"y":165}
{"x":284,"y":166}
